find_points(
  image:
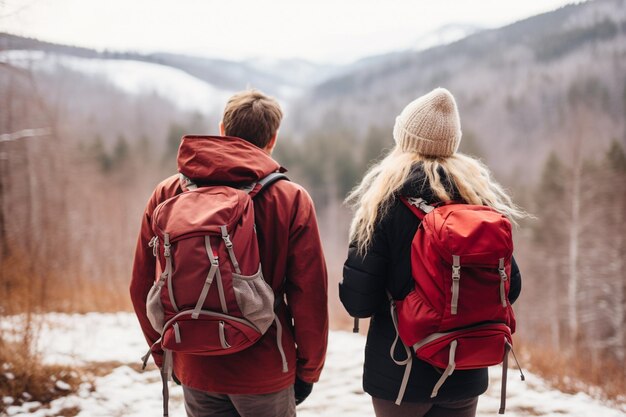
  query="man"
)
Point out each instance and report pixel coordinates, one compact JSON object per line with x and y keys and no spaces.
{"x":252,"y":382}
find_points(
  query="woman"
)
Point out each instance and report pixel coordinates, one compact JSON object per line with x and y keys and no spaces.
{"x":423,"y":164}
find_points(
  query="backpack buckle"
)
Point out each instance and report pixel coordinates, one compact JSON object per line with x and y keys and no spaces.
{"x":501,"y":269}
{"x":503,"y":274}
{"x":166,"y":245}
{"x":456,"y":267}
{"x":456,"y":272}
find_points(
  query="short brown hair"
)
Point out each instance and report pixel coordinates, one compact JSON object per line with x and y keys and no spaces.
{"x":253,"y":116}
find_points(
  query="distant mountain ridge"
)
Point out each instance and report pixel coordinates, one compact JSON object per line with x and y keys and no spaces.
{"x":518,"y":87}
{"x":280,"y":77}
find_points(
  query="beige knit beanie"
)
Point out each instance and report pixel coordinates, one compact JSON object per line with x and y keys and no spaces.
{"x":429,"y":125}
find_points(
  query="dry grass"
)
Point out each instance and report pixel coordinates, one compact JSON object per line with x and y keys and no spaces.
{"x":107,"y":297}
{"x":23,"y":289}
{"x":576,"y":371}
{"x":69,"y":412}
{"x":24,"y":378}
{"x":26,"y":291}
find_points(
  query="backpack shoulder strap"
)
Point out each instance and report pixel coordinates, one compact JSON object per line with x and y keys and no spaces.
{"x":418,"y":206}
{"x":186,"y":183}
{"x":253,"y":189}
{"x":266,"y":182}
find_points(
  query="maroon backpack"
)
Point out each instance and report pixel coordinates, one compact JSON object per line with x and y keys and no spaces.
{"x":458,"y":315}
{"x":211,"y":298}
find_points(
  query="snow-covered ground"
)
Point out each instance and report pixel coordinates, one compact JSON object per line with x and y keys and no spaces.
{"x":82,"y":339}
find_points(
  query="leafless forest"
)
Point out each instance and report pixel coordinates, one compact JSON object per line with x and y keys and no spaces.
{"x":79,"y":158}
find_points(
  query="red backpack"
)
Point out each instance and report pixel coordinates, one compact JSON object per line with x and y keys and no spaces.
{"x":458,"y":315}
{"x":211,"y":298}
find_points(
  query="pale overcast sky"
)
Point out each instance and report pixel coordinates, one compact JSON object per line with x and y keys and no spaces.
{"x":317,"y":30}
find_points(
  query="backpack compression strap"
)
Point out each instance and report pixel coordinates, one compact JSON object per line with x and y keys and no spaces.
{"x":408,"y":361}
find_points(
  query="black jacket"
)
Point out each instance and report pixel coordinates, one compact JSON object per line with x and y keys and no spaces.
{"x":363,"y":292}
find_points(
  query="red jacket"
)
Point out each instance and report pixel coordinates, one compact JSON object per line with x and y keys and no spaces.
{"x":290,"y":249}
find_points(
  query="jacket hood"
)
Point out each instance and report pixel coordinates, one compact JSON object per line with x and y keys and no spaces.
{"x":223,"y":159}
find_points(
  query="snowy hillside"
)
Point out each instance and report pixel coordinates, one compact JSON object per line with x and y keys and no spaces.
{"x":133,"y":77}
{"x":127,"y":392}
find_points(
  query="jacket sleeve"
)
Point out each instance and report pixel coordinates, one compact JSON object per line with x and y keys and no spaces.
{"x":143,"y":276}
{"x":306,"y":289}
{"x":362,"y":290}
{"x":516,"y":282}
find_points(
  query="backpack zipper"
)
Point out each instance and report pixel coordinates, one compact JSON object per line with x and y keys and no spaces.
{"x":456,"y":277}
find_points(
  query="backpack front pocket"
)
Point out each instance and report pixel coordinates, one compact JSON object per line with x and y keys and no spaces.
{"x":476,"y":347}
{"x":210,"y":334}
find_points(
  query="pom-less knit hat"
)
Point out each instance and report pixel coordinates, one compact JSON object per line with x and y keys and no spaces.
{"x":429,"y":125}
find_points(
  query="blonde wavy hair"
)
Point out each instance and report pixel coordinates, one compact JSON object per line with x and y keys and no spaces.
{"x":373,"y":197}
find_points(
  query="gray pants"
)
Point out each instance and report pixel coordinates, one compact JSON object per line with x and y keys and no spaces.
{"x":208,"y":404}
{"x":465,"y":408}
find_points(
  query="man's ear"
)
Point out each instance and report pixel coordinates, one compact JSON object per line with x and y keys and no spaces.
{"x":222,"y":131}
{"x":269,"y":148}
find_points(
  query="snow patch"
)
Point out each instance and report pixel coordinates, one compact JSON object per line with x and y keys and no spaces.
{"x":79,"y":339}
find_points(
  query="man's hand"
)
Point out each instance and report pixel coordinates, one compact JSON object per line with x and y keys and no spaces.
{"x":175,"y":378}
{"x":302,"y":390}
